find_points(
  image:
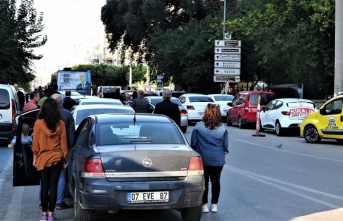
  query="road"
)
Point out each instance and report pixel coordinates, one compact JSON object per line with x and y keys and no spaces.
{"x":265,"y":179}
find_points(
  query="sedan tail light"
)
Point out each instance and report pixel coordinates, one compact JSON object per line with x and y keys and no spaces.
{"x":195,"y":166}
{"x":93,"y":169}
{"x":190,"y":107}
{"x":286,"y":113}
{"x":183,"y":113}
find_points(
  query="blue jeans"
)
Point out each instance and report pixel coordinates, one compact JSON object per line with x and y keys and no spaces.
{"x":62,"y":182}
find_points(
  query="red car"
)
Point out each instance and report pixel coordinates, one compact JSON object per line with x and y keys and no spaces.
{"x":243,"y":108}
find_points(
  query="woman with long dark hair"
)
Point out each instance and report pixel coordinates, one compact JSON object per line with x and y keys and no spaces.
{"x":210,"y":140}
{"x":50,"y":153}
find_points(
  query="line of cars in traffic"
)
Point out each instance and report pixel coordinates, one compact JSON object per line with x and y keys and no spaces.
{"x":125,"y":160}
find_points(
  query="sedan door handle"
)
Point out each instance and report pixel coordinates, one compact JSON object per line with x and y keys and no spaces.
{"x":341,"y":118}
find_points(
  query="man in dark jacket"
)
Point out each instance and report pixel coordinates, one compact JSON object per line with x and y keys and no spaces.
{"x":21,"y":96}
{"x":70,"y":129}
{"x":140,"y":104}
{"x":168,"y":108}
{"x":68,"y":102}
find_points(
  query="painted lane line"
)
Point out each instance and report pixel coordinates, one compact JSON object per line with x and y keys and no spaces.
{"x":291,"y":152}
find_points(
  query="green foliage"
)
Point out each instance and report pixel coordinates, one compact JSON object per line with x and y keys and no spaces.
{"x":103,"y":74}
{"x":19,"y":35}
{"x":128,"y":23}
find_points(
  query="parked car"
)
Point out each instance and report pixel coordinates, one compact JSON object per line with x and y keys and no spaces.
{"x":9,"y":108}
{"x":285,"y":114}
{"x":222,"y":100}
{"x":153,"y":100}
{"x":134,"y":161}
{"x":325,"y":123}
{"x":97,"y":100}
{"x":80,"y":112}
{"x":195,"y":105}
{"x":244,"y":107}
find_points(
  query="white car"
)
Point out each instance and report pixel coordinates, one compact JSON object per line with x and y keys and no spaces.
{"x":97,"y":100}
{"x":285,"y":114}
{"x":222,"y":100}
{"x":195,"y":105}
{"x":80,"y":112}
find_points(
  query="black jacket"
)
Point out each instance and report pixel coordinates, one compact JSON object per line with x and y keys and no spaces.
{"x":68,"y":103}
{"x":169,"y":109}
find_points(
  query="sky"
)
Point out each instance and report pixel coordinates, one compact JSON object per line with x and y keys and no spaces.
{"x":66,"y":22}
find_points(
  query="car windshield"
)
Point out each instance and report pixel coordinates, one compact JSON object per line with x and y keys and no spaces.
{"x":200,"y":99}
{"x":82,"y":114}
{"x":265,"y":98}
{"x":137,"y":133}
{"x":223,"y":97}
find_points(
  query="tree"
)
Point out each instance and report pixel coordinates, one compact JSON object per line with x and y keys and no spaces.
{"x":128,"y":23}
{"x":19,"y":35}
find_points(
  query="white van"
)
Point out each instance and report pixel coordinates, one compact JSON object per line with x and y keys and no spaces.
{"x":9,"y":108}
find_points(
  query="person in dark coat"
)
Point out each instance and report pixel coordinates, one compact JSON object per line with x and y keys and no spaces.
{"x":21,"y":96}
{"x":168,"y":108}
{"x":140,"y":104}
{"x":68,"y":102}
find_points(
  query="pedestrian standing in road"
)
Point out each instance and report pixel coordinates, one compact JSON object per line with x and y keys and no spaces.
{"x":140,"y":104}
{"x":69,"y":123}
{"x":32,"y":104}
{"x":21,"y":96}
{"x":210,"y":139}
{"x":50,"y":154}
{"x":167,"y":107}
{"x":68,"y":102}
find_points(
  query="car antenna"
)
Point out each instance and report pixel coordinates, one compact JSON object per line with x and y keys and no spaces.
{"x":134,"y":119}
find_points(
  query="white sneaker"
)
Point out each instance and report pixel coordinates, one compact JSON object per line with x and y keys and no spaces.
{"x":214,"y":208}
{"x":204,"y":208}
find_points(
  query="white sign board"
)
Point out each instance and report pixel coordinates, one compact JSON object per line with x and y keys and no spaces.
{"x":227,"y":71}
{"x":227,"y":57}
{"x":231,"y":79}
{"x":226,"y":50}
{"x":228,"y":43}
{"x":227,"y":64}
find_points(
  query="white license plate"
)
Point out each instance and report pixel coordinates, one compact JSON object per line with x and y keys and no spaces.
{"x":148,"y":197}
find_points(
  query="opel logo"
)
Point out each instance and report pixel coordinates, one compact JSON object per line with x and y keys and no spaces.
{"x":147,"y":162}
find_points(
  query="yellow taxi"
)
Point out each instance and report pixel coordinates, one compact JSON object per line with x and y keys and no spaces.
{"x":325,"y":123}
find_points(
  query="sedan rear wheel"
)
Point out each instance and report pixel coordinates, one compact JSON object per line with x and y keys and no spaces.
{"x":278,"y":129}
{"x":228,"y":122}
{"x":191,"y":214}
{"x":240,"y":123}
{"x":311,"y":134}
{"x":79,"y":213}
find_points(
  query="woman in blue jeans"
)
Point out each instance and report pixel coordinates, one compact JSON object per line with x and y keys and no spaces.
{"x":210,"y":139}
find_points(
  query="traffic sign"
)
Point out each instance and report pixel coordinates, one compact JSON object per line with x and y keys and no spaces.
{"x":227,"y":71}
{"x":227,"y":64}
{"x":230,"y":79}
{"x":227,"y":57}
{"x":228,"y":43}
{"x":227,"y":50}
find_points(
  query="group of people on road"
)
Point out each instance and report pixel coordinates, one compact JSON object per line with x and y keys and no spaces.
{"x":53,"y":135}
{"x":209,"y":138}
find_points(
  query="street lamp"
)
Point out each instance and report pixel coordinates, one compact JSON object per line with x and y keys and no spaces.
{"x":226,"y":36}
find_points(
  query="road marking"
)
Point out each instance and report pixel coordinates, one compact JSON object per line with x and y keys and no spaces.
{"x":291,"y":152}
{"x":264,"y":179}
{"x":14,"y":208}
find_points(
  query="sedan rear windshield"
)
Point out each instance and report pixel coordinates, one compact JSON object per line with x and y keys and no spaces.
{"x":137,"y":133}
{"x":200,"y":99}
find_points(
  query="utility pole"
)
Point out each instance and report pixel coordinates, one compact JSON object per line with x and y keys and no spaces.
{"x":338,"y":80}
